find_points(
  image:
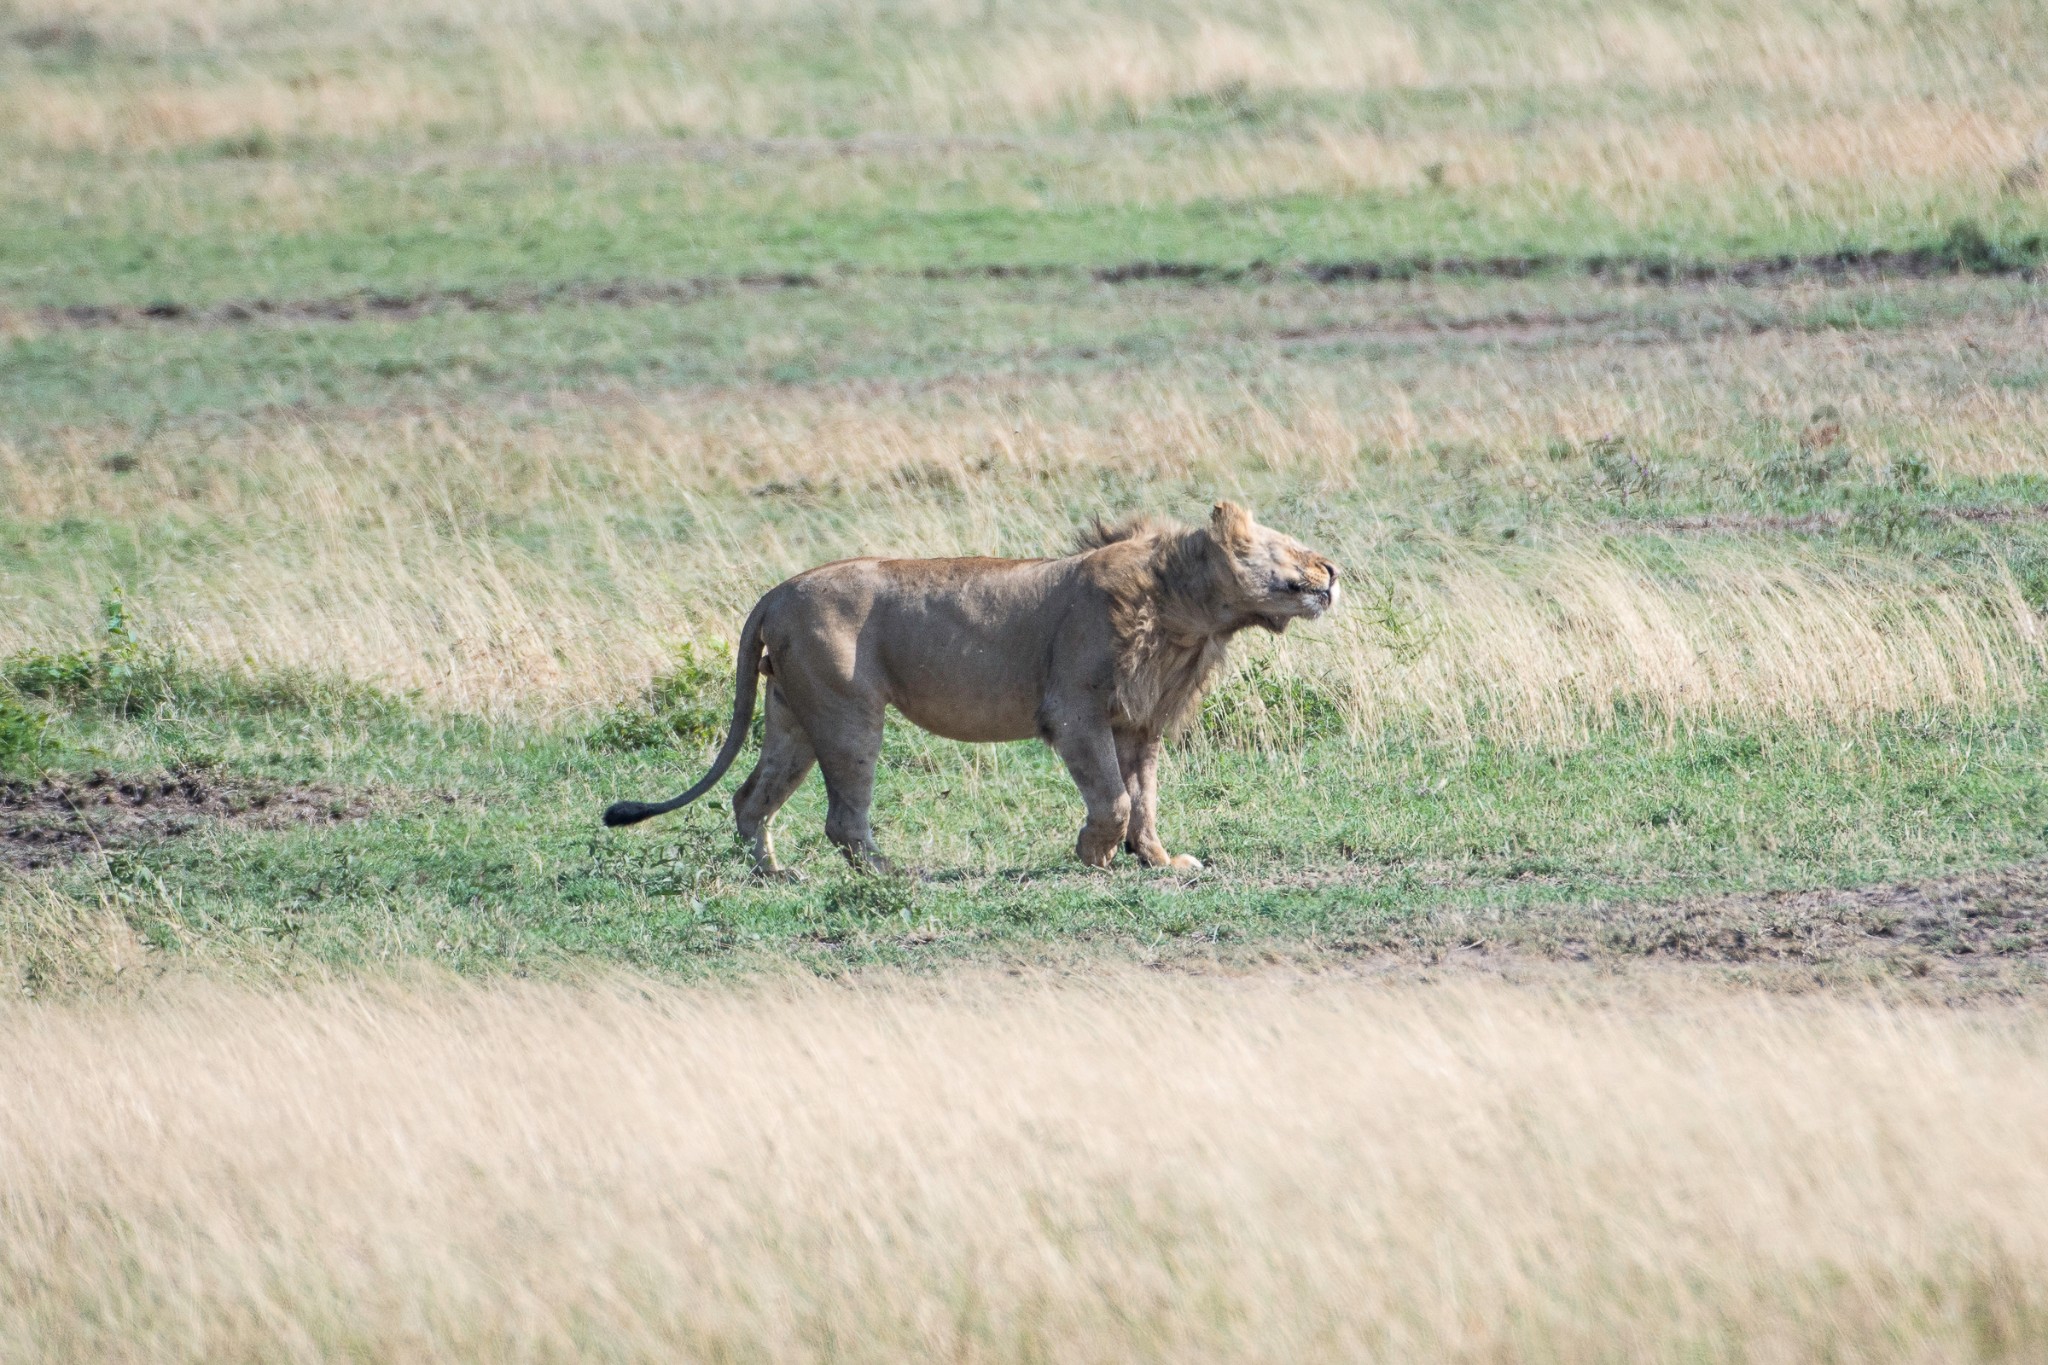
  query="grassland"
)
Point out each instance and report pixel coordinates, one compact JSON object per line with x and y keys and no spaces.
{"x":1662,"y":593}
{"x":1625,"y":921}
{"x":401,"y":406}
{"x":1116,"y":1168}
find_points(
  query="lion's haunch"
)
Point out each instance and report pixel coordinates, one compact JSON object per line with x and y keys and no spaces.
{"x":1099,"y":653}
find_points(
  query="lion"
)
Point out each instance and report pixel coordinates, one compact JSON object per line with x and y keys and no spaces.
{"x":1100,"y":654}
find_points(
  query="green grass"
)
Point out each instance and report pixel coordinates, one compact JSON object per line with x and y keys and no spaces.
{"x":489,"y":229}
{"x":480,"y":846}
{"x":862,"y":328}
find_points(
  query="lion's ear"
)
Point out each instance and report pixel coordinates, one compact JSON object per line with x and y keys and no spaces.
{"x":1230,"y":526}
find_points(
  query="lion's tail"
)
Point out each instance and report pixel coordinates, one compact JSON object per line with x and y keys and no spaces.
{"x":746,"y":680}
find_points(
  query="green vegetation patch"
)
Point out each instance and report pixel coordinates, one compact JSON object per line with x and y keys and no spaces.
{"x":480,"y":847}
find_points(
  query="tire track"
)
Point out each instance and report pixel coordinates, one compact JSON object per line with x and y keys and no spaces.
{"x":1835,"y":267}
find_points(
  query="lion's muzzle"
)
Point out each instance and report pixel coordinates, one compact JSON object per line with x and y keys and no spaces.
{"x":1322,"y":599}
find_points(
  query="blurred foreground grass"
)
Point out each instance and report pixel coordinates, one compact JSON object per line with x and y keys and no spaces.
{"x":1125,"y":1166}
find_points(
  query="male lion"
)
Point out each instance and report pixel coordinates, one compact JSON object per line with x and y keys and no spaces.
{"x":1098,"y":654}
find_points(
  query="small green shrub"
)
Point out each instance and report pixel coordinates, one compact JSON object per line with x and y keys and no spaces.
{"x":254,"y":145}
{"x":2029,"y":567}
{"x":1233,"y":101}
{"x":22,"y":738}
{"x":120,"y":675}
{"x":872,"y":896}
{"x":1622,"y":470}
{"x":689,"y":703}
{"x":1882,"y":519}
{"x":1258,"y":705}
{"x":1804,"y":469}
{"x":1968,"y":246}
{"x":1910,"y":472}
{"x":1862,"y":315}
{"x":53,"y":677}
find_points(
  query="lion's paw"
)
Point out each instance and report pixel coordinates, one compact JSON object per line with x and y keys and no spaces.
{"x":1184,"y":862}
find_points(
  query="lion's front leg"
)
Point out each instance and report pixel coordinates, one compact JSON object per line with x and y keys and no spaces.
{"x":1139,"y":758}
{"x":1140,"y":840}
{"x":1091,"y":758}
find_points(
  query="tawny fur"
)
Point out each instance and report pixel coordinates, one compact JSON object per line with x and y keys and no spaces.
{"x":1161,"y":598}
{"x":1099,"y":654}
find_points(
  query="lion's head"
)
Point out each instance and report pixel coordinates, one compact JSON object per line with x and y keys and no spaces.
{"x":1178,"y":593}
{"x":1275,"y":579}
{"x":1223,"y":577}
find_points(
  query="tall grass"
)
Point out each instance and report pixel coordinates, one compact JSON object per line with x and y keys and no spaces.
{"x":1734,"y":121}
{"x":549,"y":564}
{"x":158,"y":74}
{"x":1124,"y":1169}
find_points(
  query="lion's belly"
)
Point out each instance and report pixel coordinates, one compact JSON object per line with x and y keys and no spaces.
{"x":979,"y":705}
{"x":963,"y":680}
{"x":960,"y":647}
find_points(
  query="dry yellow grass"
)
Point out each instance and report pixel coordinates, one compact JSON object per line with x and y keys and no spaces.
{"x":1130,"y":1168}
{"x":1928,"y":156}
{"x":501,"y":565}
{"x":585,"y":68}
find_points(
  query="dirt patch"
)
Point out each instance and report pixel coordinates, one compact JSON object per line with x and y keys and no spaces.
{"x":720,"y":151}
{"x":1949,"y":258}
{"x":405,"y":306}
{"x":1833,"y":267}
{"x":1516,"y":327}
{"x":1956,"y":936}
{"x":1982,"y":917}
{"x":1882,"y":263}
{"x":55,"y":820}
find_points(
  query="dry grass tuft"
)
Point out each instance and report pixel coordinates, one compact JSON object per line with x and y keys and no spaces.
{"x":56,"y":945}
{"x":547,"y":564}
{"x":1131,"y":1168}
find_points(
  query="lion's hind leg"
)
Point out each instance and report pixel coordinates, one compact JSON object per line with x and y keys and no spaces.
{"x":849,"y":759}
{"x":786,"y":760}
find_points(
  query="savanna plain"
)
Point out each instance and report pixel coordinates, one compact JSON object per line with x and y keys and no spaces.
{"x":1624,"y":927}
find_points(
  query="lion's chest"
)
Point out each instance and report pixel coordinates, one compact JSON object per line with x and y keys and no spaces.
{"x":1159,"y":685}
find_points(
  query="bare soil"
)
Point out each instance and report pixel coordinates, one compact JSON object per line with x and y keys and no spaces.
{"x":52,"y":821}
{"x":1832,"y":267}
{"x":1981,"y":915}
{"x":1957,"y":937}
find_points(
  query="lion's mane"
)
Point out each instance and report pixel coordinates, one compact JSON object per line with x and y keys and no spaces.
{"x":1167,"y":582}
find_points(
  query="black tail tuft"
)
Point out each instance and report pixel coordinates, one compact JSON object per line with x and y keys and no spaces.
{"x":629,"y":812}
